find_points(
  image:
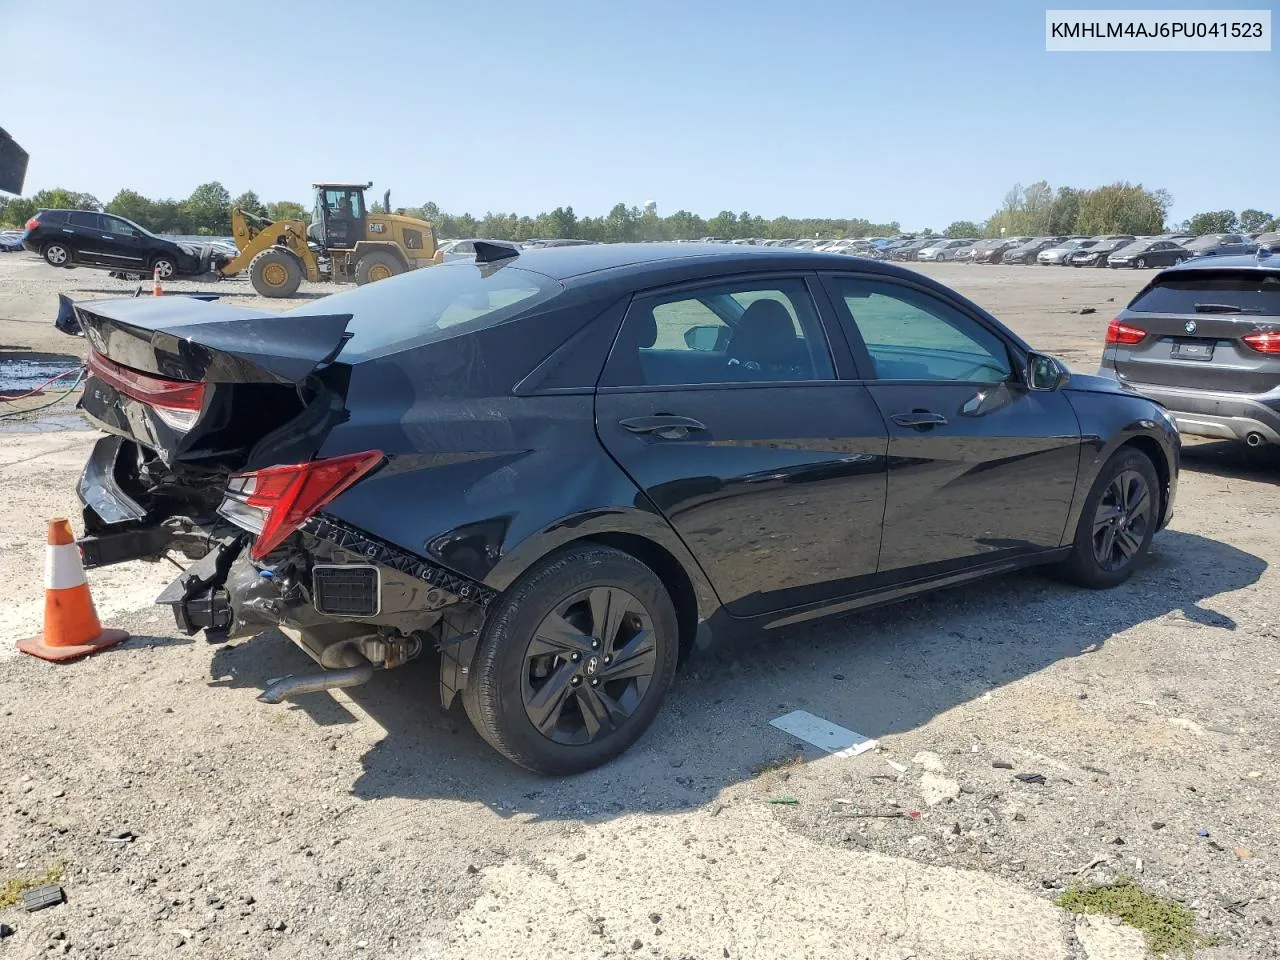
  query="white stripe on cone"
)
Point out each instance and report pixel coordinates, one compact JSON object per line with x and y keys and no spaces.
{"x":62,"y":567}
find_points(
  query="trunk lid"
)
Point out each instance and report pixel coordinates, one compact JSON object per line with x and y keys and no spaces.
{"x":206,"y":383}
{"x":1196,"y":322}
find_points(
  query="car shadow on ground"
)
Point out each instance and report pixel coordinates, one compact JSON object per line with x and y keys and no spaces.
{"x":1230,"y":459}
{"x":882,"y":672}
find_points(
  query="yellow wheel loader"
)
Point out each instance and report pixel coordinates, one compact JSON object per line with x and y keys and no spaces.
{"x":344,"y":243}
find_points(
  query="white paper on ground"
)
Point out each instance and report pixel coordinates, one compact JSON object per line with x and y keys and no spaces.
{"x":823,"y":734}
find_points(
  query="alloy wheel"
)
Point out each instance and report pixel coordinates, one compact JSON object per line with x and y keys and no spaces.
{"x":588,"y":665}
{"x":1122,"y":520}
{"x":164,"y":268}
{"x":56,"y":255}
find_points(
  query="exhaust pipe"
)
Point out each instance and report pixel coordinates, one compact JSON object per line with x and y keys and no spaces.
{"x":1255,"y":439}
{"x":358,"y":670}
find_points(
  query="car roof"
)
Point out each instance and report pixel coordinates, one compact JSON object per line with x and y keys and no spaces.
{"x":568,"y":263}
{"x":1235,"y":261}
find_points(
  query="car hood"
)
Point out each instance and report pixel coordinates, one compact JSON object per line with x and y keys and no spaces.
{"x":1097,"y":383}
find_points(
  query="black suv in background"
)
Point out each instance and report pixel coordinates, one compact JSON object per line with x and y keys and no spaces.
{"x":73,"y":238}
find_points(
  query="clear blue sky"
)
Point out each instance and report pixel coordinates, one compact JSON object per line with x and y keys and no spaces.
{"x":925,"y":112}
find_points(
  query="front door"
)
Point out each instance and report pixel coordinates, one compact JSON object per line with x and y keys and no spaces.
{"x":981,"y":469}
{"x":722,"y":403}
{"x":122,"y":244}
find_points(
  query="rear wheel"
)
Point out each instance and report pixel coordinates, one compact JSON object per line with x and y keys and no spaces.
{"x":56,"y":254}
{"x":275,"y":273}
{"x":1141,"y":263}
{"x":377,"y":265}
{"x":1117,"y":522}
{"x":574,"y":661}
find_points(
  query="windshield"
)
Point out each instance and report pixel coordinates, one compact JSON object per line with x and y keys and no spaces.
{"x":1137,"y":247}
{"x":425,"y":306}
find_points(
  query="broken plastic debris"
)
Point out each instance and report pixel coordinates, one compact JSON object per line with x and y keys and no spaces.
{"x":38,"y":898}
{"x":788,"y":801}
{"x":1002,"y":764}
{"x":1202,"y":832}
{"x":901,"y":768}
{"x":1037,"y":778}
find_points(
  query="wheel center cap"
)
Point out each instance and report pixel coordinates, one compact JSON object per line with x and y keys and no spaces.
{"x":592,"y":667}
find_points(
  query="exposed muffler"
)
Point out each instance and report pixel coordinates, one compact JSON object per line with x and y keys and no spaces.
{"x":356,"y":670}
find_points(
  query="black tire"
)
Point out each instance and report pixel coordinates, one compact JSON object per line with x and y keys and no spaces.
{"x":57,"y":254}
{"x":1085,"y":566}
{"x":380,"y":264}
{"x":1141,"y":263}
{"x":167,"y":266}
{"x":1102,"y":262}
{"x":500,"y":698}
{"x":275,"y":272}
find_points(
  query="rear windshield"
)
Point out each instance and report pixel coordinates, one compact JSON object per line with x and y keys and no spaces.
{"x":432,"y":303}
{"x":1253,"y":291}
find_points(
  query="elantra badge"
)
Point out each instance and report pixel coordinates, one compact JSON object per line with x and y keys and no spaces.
{"x":1191,"y":326}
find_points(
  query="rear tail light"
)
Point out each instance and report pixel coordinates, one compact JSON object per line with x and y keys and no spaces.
{"x":1263,"y":342}
{"x":1118,"y":332}
{"x":273,"y":503}
{"x":176,"y":402}
{"x":33,"y":223}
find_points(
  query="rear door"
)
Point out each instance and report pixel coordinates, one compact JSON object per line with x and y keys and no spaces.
{"x":723,"y":402}
{"x":1187,"y":328}
{"x":981,"y":469}
{"x":86,"y":232}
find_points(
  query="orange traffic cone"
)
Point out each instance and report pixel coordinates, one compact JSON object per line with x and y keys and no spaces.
{"x":71,"y":627}
{"x":156,"y":290}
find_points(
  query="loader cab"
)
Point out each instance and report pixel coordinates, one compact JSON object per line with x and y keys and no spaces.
{"x":338,"y":221}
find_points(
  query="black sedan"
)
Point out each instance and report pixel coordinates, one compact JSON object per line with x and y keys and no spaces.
{"x":560,"y":470}
{"x":993,"y":251}
{"x":71,"y":238}
{"x":1026,"y":253}
{"x":1148,"y":253}
{"x":1096,"y":256}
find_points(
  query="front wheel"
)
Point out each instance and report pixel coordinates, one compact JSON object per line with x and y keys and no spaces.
{"x":1117,"y":522}
{"x":573,"y":661}
{"x":165,"y":267}
{"x":1141,"y":263}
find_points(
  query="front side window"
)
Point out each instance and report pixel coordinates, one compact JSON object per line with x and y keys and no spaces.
{"x":117,"y":226}
{"x":737,"y":332}
{"x":912,"y":335}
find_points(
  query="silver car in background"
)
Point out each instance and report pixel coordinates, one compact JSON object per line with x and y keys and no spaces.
{"x":1060,"y":255}
{"x":944,"y":249}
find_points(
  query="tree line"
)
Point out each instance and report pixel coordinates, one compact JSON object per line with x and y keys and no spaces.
{"x":1035,"y":210}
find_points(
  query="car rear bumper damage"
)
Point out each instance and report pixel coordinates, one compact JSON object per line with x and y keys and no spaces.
{"x":1223,"y":416}
{"x":352,"y":601}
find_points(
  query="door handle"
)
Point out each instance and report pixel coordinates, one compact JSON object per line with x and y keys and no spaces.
{"x":920,"y":419}
{"x":663,"y":425}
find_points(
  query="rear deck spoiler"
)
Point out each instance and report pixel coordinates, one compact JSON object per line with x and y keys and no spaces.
{"x":193,"y":339}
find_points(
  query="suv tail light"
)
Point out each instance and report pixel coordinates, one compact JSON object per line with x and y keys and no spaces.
{"x":1118,"y":332}
{"x":273,"y":503}
{"x":177,"y":402}
{"x":1263,"y":342}
{"x":33,"y":223}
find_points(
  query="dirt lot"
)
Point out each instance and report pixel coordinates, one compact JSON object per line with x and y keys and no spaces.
{"x":370,"y":824}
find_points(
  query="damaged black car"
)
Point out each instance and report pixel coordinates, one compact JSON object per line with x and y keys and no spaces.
{"x":561,"y":470}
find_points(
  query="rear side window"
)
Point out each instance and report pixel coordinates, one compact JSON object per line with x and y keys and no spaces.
{"x":90,"y":221}
{"x":1254,"y":292}
{"x":52,"y":216}
{"x":431,"y":304}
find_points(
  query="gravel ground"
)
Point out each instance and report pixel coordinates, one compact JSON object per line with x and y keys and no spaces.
{"x":367,"y":823}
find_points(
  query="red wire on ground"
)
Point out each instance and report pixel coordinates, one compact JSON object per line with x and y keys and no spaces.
{"x":32,"y":393}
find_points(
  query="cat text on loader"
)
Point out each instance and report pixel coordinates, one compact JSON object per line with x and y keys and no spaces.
{"x":344,"y":243}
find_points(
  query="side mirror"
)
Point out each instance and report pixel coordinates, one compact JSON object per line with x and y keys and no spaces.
{"x":704,"y":338}
{"x":1046,"y":373}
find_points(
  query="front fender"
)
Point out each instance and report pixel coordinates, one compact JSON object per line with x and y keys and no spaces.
{"x":1109,"y":420}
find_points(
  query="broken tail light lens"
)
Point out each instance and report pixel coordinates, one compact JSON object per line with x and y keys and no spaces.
{"x":1263,"y":342}
{"x":1121,"y":333}
{"x":176,"y":402}
{"x":274,"y":502}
